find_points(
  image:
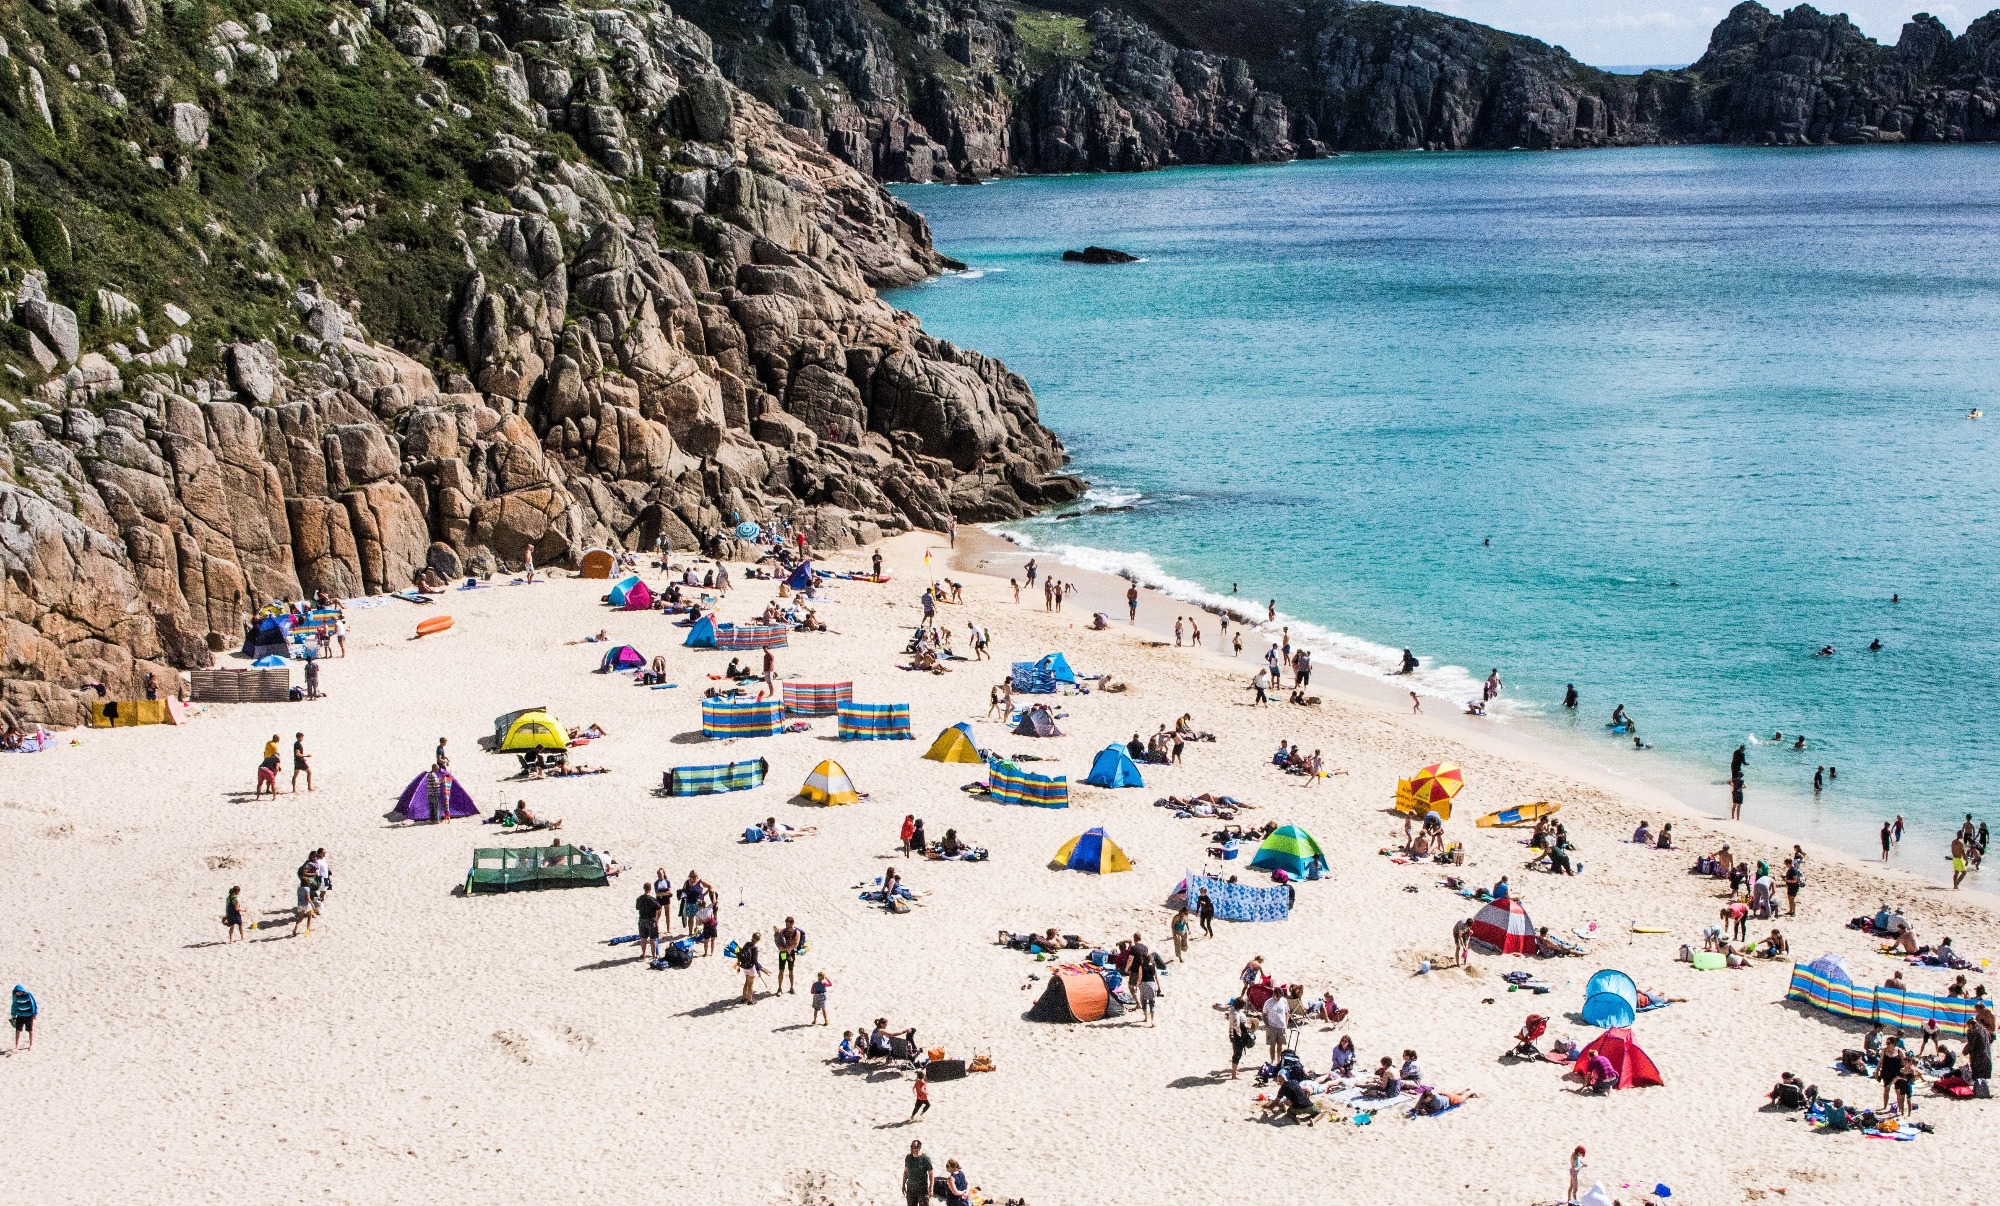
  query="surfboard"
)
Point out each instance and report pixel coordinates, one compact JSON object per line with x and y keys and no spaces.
{"x":435,"y":624}
{"x":1524,"y":814}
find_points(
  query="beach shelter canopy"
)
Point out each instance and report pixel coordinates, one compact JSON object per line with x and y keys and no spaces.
{"x":702,"y":635}
{"x":746,"y":718}
{"x":1058,"y":666}
{"x":815,"y":699}
{"x":1037,"y":722}
{"x":1612,"y":981}
{"x":506,"y":868}
{"x":801,"y":577}
{"x":272,"y":635}
{"x":1291,"y":850}
{"x":714,"y":780}
{"x":954,"y":745}
{"x":125,"y":713}
{"x":624,"y":657}
{"x":639,"y":598}
{"x":1075,"y":993}
{"x":1009,"y":784}
{"x":622,"y":591}
{"x":432,"y":789}
{"x":533,"y":730}
{"x":1431,"y":789}
{"x":269,"y":661}
{"x":1608,"y":1009}
{"x":1634,"y":1066}
{"x":829,"y":784}
{"x":1113,"y":768}
{"x":1504,"y":926}
{"x":874,"y":722}
{"x":596,"y":564}
{"x":1093,"y":852}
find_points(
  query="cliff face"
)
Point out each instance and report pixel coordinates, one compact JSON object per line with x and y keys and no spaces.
{"x":906,"y":90}
{"x":315,"y":298}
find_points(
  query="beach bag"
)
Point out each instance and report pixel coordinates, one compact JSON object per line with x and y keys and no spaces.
{"x":945,"y":1069}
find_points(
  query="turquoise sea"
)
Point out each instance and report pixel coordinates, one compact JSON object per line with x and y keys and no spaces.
{"x":1709,"y":407}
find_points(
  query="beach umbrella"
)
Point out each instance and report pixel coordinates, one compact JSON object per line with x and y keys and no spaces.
{"x":1431,"y":789}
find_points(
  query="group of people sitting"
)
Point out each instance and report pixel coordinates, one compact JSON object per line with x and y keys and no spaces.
{"x":1292,"y":762}
{"x":554,"y":764}
{"x":1424,"y":839}
{"x":1301,"y":1096}
{"x":930,"y":648}
{"x":881,"y":1043}
{"x":1643,"y":836}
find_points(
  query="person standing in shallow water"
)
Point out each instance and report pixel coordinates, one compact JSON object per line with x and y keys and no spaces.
{"x":1569,"y":697}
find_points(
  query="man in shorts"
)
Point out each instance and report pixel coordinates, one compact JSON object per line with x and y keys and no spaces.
{"x":649,"y":922}
{"x":301,"y":763}
{"x":1145,"y":977}
{"x":788,"y":940}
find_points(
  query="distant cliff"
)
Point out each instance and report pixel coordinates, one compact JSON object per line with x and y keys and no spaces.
{"x":915,"y":90}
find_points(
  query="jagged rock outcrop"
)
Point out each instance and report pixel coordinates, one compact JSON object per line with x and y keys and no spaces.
{"x":675,"y":331}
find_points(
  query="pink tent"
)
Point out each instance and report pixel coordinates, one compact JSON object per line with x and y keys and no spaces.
{"x":638,"y":598}
{"x":415,"y":802}
{"x":1504,"y":926}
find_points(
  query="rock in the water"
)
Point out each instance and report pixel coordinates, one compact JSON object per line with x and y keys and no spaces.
{"x":1099,"y":255}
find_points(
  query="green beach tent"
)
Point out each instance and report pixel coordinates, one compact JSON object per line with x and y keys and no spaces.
{"x":1291,"y":850}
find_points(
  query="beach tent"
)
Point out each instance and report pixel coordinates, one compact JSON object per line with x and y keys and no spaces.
{"x":1113,"y":768}
{"x":874,"y":722}
{"x":702,"y":635}
{"x":1608,"y":1009}
{"x":624,"y":657}
{"x":1093,"y":852}
{"x":714,"y":780}
{"x":596,"y":564}
{"x":1058,"y":667}
{"x":802,"y":576}
{"x":1291,"y":850}
{"x":1036,"y":722}
{"x":622,"y":591}
{"x":752,"y":636}
{"x":124,"y":713}
{"x":744,"y":718}
{"x":1236,"y":902}
{"x":272,"y":635}
{"x":502,"y":869}
{"x":1032,"y":678}
{"x":415,"y":802}
{"x":954,"y":745}
{"x":1615,"y":982}
{"x":1520,"y":814}
{"x":1431,"y":789}
{"x":829,"y":784}
{"x":1075,"y":993}
{"x":1634,"y":1066}
{"x":1504,"y":926}
{"x":639,"y":598}
{"x":533,"y":730}
{"x":1009,"y":784}
{"x":270,"y":661}
{"x":815,"y":699}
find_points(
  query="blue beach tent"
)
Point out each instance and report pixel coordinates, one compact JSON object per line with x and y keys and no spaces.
{"x":620,"y":592}
{"x":802,"y":576}
{"x":1058,"y":665}
{"x":702,"y":635}
{"x":1113,"y":768}
{"x":1608,"y":1009}
{"x":1612,"y":981}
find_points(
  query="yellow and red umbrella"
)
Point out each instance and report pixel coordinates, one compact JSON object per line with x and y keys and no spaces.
{"x":1431,"y":789}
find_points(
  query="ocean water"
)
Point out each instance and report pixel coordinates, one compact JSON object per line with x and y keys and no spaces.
{"x":1660,"y":423}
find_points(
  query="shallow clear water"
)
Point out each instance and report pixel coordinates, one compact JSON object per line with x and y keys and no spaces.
{"x":1708,"y":405}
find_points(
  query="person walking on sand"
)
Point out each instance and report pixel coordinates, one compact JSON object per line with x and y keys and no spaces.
{"x":232,"y":914}
{"x":1416,"y":704}
{"x":820,"y":987}
{"x":1205,"y":912}
{"x":649,"y":922}
{"x":1132,"y":604}
{"x":1145,"y":976}
{"x":23,"y":1012}
{"x":1575,"y":1176}
{"x":267,"y":769}
{"x":789,"y":939}
{"x":770,"y":670}
{"x":1236,"y":644}
{"x":1180,"y":630}
{"x":751,"y":966}
{"x":916,"y":1175}
{"x":301,"y":762}
{"x":1261,"y":683}
{"x":302,"y":907}
{"x":923,"y":1104}
{"x":312,"y":670}
{"x":1242,"y":1034}
{"x":1180,"y":930}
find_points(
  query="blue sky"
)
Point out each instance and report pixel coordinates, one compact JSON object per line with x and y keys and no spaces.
{"x":1610,"y":33}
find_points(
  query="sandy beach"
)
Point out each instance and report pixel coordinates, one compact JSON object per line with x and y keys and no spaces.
{"x":421,"y":1046}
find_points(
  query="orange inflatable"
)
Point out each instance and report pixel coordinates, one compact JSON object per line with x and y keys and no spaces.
{"x":435,"y":624}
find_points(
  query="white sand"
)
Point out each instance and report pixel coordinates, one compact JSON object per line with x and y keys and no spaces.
{"x":421,"y":1046}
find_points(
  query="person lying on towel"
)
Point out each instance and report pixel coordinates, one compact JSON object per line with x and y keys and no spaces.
{"x":1434,"y":1102}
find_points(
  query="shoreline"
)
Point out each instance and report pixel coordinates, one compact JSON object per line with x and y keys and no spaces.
{"x":984,"y":551}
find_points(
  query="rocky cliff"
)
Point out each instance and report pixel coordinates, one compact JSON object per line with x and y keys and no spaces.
{"x":915,"y":90}
{"x":308,"y":297}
